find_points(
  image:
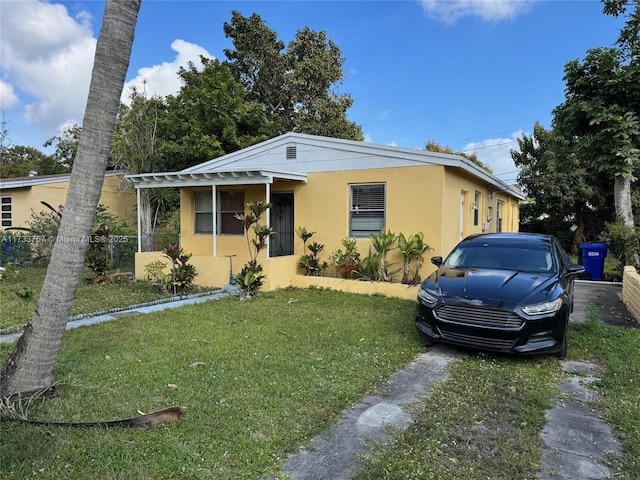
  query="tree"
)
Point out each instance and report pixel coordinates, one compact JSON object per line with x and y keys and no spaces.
{"x":432,"y":146}
{"x":561,"y":193}
{"x":211,"y":115}
{"x":30,"y":364}
{"x":136,"y":148}
{"x":296,"y":87}
{"x":66,"y":144}
{"x":20,"y":161}
{"x":602,"y":114}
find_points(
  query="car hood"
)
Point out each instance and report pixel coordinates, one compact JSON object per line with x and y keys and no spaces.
{"x":496,"y":288}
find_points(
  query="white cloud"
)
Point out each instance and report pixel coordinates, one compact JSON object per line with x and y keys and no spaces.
{"x":450,"y":11}
{"x":8,"y":97}
{"x":47,"y":57}
{"x":162,"y":80}
{"x":496,"y":153}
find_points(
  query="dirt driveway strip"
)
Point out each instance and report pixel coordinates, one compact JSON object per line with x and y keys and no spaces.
{"x":338,"y":455}
{"x":575,"y":440}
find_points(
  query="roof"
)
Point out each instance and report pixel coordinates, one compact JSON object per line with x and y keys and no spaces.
{"x":32,"y":181}
{"x":293,"y":156}
{"x":520,"y":237}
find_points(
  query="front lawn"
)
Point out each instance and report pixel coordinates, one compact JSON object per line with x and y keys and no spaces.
{"x":19,"y":293}
{"x":260,"y":378}
{"x":275,"y":372}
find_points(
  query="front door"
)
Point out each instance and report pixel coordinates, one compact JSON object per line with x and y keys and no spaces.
{"x":281,"y":218}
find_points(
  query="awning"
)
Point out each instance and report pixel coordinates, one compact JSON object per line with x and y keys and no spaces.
{"x":231,"y":177}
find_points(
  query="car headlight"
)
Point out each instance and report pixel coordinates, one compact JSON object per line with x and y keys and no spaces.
{"x":426,"y":297}
{"x":543,"y":308}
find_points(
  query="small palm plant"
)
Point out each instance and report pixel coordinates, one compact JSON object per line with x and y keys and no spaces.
{"x":377,"y":263}
{"x":311,"y":261}
{"x":251,"y":277}
{"x":412,"y":249}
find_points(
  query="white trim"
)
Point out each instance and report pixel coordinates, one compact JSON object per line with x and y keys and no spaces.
{"x":139,"y":221}
{"x":231,"y":177}
{"x":214,"y":220}
{"x":268,"y":219}
{"x":28,"y":182}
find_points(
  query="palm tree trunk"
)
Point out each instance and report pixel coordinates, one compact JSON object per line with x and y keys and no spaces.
{"x":30,"y":365}
{"x":622,"y":195}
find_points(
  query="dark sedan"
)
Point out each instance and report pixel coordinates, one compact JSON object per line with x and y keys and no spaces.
{"x":506,"y":292}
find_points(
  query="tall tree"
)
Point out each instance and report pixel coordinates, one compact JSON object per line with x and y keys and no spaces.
{"x":136,"y":148}
{"x":66,"y":144}
{"x":297,"y":87}
{"x":30,"y":364}
{"x":602,"y":114}
{"x":559,"y":188}
{"x":211,"y":115}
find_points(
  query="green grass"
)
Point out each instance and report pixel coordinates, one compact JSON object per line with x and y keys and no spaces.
{"x":17,"y":311}
{"x":484,"y":421}
{"x":278,"y":370}
{"x":618,"y":350}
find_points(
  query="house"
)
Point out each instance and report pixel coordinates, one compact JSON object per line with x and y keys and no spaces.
{"x":19,"y":197}
{"x":336,"y":188}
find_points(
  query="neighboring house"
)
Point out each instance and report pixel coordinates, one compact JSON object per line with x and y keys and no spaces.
{"x":20,"y":197}
{"x":336,"y":188}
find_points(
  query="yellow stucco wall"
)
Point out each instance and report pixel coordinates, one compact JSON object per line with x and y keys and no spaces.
{"x":321,"y":205}
{"x":631,"y":291}
{"x":24,"y":201}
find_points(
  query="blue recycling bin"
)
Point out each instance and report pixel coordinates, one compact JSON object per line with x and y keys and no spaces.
{"x":593,"y":255}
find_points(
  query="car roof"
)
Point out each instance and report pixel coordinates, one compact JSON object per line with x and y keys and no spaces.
{"x":532,"y":238}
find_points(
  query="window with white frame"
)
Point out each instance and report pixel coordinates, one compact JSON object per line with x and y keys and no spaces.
{"x":204,"y":212}
{"x":5,"y":203}
{"x":367,"y":209}
{"x":476,"y":209}
{"x":230,"y":204}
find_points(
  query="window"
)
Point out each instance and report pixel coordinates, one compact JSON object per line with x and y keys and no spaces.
{"x":367,"y":209}
{"x":5,"y":202}
{"x":499,"y":217}
{"x":230,"y":203}
{"x":204,"y":212}
{"x":476,"y":209}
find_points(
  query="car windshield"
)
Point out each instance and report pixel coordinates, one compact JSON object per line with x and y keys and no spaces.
{"x":502,"y":256}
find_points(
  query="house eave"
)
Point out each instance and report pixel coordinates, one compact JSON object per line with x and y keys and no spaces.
{"x":231,"y":177}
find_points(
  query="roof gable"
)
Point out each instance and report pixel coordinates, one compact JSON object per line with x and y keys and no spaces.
{"x":302,"y":154}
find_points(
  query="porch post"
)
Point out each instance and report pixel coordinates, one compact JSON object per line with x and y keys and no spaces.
{"x":214,"y":221}
{"x":139,"y":221}
{"x":268,"y":195}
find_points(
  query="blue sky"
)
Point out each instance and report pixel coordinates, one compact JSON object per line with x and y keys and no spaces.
{"x":469,"y":74}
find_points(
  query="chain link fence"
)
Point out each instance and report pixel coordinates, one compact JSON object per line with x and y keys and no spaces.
{"x":120,"y":253}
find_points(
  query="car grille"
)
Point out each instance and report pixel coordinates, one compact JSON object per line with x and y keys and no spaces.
{"x":482,"y":317}
{"x":480,"y":342}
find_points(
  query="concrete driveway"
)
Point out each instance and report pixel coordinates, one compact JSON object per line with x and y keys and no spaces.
{"x":606,"y":298}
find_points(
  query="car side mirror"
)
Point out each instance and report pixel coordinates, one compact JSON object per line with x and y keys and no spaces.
{"x":437,"y":261}
{"x":574,"y":268}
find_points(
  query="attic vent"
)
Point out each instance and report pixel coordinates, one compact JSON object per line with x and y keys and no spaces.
{"x":291,"y":153}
